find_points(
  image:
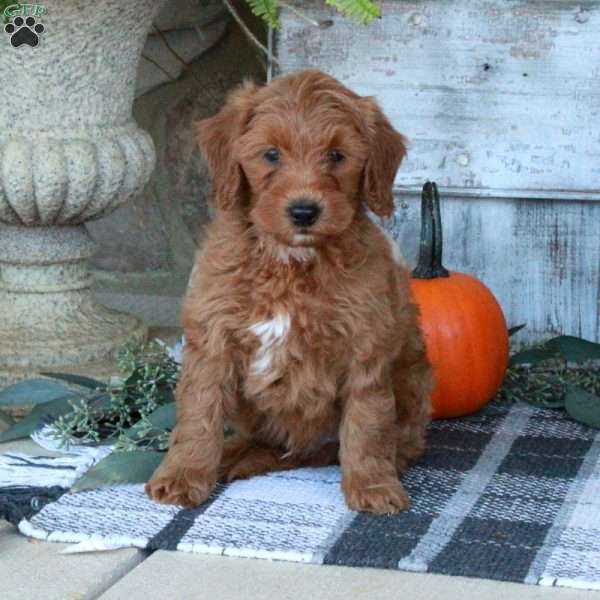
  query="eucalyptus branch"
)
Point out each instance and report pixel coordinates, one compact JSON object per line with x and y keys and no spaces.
{"x":123,"y":413}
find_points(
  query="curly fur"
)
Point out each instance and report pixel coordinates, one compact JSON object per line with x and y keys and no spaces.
{"x":304,"y":339}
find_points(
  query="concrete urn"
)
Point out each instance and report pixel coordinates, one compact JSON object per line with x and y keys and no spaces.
{"x":70,"y":152}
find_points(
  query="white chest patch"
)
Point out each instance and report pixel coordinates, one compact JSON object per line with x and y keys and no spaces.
{"x":287,"y":254}
{"x":272,"y":334}
{"x":394,"y":248}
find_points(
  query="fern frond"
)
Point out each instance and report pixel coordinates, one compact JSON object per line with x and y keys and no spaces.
{"x":268,"y":10}
{"x":363,"y":11}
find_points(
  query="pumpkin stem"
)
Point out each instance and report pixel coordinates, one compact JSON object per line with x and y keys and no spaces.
{"x":431,"y":246}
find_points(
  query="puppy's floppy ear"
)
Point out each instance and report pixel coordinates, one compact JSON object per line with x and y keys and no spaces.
{"x":387,"y":148}
{"x":216,"y":137}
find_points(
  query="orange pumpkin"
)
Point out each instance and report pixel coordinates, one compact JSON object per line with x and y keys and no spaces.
{"x":464,"y":327}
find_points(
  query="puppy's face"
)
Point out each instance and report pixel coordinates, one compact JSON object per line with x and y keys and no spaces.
{"x":300,"y":156}
{"x":304,"y":166}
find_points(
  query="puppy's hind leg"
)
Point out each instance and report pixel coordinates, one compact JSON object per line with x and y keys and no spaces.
{"x":413,"y":385}
{"x":245,"y":458}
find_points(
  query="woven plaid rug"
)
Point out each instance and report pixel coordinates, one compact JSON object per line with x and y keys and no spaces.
{"x":512,"y":493}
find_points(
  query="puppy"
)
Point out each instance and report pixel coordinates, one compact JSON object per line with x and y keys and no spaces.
{"x":299,"y":325}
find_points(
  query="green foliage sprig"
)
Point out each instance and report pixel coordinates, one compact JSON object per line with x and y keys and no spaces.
{"x":547,"y":385}
{"x":362,"y":11}
{"x":267,"y":10}
{"x":137,"y":414}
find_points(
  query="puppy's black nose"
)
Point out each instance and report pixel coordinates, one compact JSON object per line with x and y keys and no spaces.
{"x":304,"y":213}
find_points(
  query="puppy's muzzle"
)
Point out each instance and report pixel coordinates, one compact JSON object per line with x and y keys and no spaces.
{"x":303,"y":212}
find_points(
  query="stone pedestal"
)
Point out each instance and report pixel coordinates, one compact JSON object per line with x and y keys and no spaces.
{"x":49,"y":317}
{"x":70,"y":152}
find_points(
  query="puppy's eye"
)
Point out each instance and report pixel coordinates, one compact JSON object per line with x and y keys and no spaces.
{"x":335,"y":156}
{"x":272,"y":155}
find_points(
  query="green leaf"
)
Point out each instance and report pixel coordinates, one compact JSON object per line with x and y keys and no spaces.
{"x":47,"y":412}
{"x":515,"y":329}
{"x":574,"y":349}
{"x":567,"y":347}
{"x":40,"y":415}
{"x":32,"y":392}
{"x":80,"y":380}
{"x":268,"y":10}
{"x":583,"y":407}
{"x":120,"y":467}
{"x":363,"y":11}
{"x":532,"y":356}
{"x":162,"y":418}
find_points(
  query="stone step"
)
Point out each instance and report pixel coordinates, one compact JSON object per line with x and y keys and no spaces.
{"x":180,"y":575}
{"x":34,"y":569}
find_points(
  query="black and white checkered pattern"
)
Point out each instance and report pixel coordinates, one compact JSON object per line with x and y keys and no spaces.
{"x":512,"y":493}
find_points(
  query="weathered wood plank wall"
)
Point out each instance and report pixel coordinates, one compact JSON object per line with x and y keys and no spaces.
{"x":501,"y":102}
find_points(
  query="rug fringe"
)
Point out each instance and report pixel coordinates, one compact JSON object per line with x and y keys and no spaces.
{"x":22,"y":470}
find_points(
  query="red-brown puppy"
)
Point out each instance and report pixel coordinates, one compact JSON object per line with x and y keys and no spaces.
{"x":299,"y":324}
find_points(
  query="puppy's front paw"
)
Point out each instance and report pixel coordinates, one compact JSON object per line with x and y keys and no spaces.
{"x":185,"y":486}
{"x":377,"y":496}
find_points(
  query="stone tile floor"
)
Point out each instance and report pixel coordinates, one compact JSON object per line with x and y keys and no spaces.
{"x":34,"y":570}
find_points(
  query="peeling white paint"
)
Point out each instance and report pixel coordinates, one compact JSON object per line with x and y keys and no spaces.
{"x":489,"y":96}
